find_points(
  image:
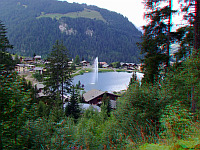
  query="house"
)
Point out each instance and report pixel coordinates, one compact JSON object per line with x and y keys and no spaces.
{"x":38,"y":70}
{"x":31,"y":67}
{"x":28,"y":60}
{"x":84,"y":63}
{"x":37,"y":57}
{"x":105,"y":66}
{"x":70,"y":63}
{"x":40,"y":88}
{"x":94,"y":97}
{"x":21,"y":68}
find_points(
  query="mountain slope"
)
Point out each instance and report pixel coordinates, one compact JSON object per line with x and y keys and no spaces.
{"x":89,"y":31}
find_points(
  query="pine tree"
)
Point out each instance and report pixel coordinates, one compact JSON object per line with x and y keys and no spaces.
{"x":156,"y":39}
{"x":77,"y":60}
{"x":5,"y":58}
{"x":72,"y":109}
{"x":188,"y":36}
{"x":58,"y":72}
{"x":15,"y":110}
{"x":4,"y":42}
{"x":106,"y":105}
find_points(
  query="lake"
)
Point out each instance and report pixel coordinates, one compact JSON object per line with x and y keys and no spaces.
{"x":106,"y":81}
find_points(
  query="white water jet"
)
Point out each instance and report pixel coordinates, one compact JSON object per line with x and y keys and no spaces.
{"x":95,"y":70}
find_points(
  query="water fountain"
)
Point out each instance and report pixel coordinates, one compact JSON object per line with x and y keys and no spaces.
{"x":95,"y":70}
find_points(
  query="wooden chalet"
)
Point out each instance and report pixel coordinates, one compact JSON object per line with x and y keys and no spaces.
{"x":94,"y":97}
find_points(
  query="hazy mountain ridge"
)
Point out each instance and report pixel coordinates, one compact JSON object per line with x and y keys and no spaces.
{"x":30,"y":31}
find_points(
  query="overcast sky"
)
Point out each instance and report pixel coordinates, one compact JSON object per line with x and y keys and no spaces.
{"x":132,"y":9}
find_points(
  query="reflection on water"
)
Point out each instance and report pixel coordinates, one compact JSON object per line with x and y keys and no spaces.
{"x":107,"y":81}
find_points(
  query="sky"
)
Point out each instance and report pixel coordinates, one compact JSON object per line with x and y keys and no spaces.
{"x":132,"y":9}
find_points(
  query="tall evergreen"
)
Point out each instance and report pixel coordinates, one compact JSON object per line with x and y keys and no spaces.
{"x":106,"y":105}
{"x":72,"y":109}
{"x":5,"y":57}
{"x":188,"y":36}
{"x":15,"y":110}
{"x":156,"y":39}
{"x":4,"y":42}
{"x":77,"y":60}
{"x":58,"y":72}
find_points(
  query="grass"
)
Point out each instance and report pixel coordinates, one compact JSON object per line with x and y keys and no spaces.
{"x":105,"y":70}
{"x":86,"y":13}
{"x":81,"y":72}
{"x":192,"y":141}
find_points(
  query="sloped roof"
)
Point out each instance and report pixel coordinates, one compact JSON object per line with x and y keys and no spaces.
{"x":40,"y":86}
{"x":28,"y":59}
{"x":38,"y":68}
{"x":92,"y":94}
{"x":37,"y":57}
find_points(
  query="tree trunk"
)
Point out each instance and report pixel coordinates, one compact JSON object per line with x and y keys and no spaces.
{"x":168,"y":33}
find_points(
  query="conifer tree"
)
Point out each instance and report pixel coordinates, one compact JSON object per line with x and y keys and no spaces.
{"x":77,"y":60}
{"x":58,"y":72}
{"x":5,"y":58}
{"x":15,"y":110}
{"x":4,"y":42}
{"x":156,"y":39}
{"x":72,"y":109}
{"x":106,"y":105}
{"x":188,"y":36}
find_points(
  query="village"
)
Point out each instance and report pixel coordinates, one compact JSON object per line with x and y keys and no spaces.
{"x":29,"y":67}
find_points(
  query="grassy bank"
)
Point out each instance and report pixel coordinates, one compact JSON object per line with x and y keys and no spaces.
{"x":81,"y":72}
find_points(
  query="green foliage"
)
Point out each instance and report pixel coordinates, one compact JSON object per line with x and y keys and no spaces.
{"x":38,"y":77}
{"x":15,"y":108}
{"x":45,"y":134}
{"x":156,"y":39}
{"x":133,"y":79}
{"x":72,"y":109}
{"x":176,"y":121}
{"x":138,"y":113}
{"x":154,"y":147}
{"x":43,"y":110}
{"x":16,"y":59}
{"x":182,"y":83}
{"x":73,"y":67}
{"x":77,"y":60}
{"x":7,"y":61}
{"x":115,"y":64}
{"x":179,"y":145}
{"x":106,"y":105}
{"x":4,"y":42}
{"x":58,"y":72}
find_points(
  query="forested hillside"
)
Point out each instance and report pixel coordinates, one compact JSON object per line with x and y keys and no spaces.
{"x":89,"y":31}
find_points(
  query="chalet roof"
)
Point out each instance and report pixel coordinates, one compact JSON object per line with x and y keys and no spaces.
{"x":37,"y":57}
{"x":38,"y":68}
{"x":105,"y":65}
{"x":92,"y":94}
{"x":28,"y":59}
{"x":40,"y":86}
{"x":84,"y":61}
{"x":22,"y":65}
